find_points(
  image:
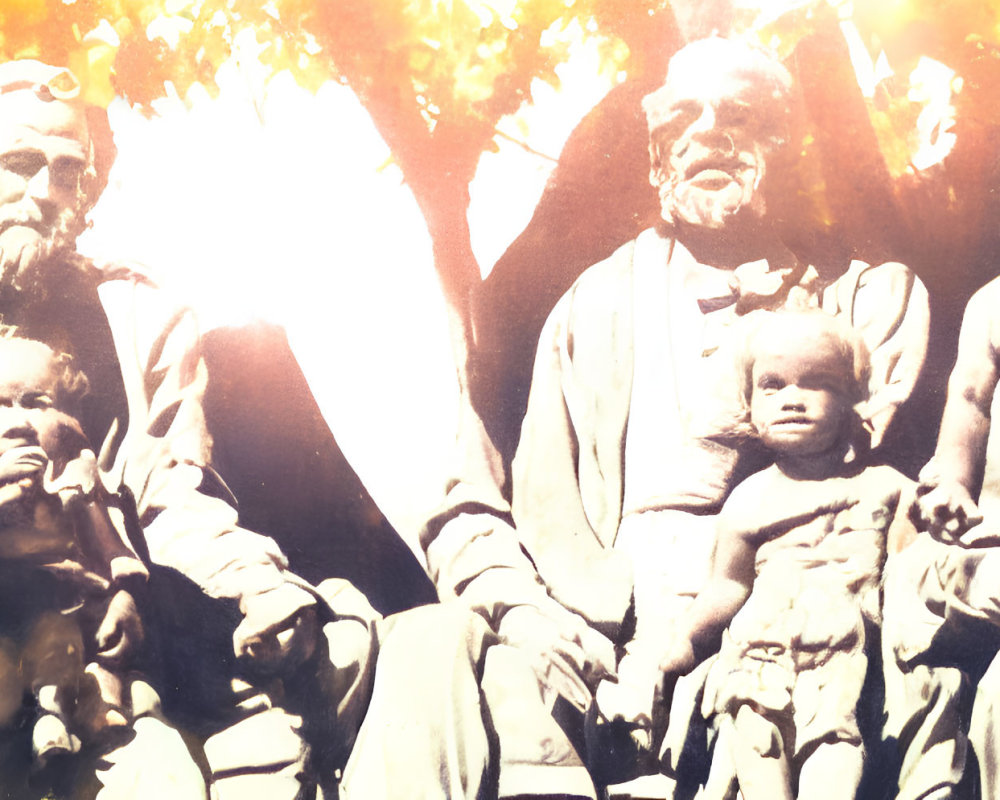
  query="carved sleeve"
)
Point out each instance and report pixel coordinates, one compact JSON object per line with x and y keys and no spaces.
{"x":472,"y":550}
{"x":186,"y":512}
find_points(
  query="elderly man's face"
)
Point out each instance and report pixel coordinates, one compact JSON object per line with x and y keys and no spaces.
{"x":710,"y":150}
{"x":44,"y":148}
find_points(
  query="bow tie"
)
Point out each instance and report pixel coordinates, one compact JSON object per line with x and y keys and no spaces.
{"x":709,"y":304}
{"x":755,"y":285}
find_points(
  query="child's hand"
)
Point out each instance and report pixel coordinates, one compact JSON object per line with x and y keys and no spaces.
{"x":945,"y":509}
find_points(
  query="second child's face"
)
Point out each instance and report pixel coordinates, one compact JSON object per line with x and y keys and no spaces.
{"x":799,"y":403}
{"x":33,"y":429}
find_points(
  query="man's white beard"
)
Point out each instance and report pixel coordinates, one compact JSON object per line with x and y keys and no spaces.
{"x":681,"y":201}
{"x":25,"y":252}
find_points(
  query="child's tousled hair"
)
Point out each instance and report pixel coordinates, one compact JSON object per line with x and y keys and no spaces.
{"x":799,"y":324}
{"x":72,"y":382}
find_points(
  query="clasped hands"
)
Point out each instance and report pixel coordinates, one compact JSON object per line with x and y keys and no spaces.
{"x":646,"y":675}
{"x":569,"y":657}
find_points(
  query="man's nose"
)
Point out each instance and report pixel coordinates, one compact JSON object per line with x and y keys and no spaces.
{"x":705,"y":123}
{"x":711,"y":132}
{"x":40,"y":187}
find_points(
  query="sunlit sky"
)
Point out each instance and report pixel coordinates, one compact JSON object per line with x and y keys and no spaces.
{"x":269,"y":202}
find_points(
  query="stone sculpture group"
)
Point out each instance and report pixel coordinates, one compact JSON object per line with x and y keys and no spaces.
{"x":707,"y":570}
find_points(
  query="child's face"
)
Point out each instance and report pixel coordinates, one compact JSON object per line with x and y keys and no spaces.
{"x":800,"y":403}
{"x":33,"y":428}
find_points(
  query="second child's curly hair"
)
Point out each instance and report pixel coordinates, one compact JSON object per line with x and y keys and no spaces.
{"x":816,"y":324}
{"x":72,"y":383}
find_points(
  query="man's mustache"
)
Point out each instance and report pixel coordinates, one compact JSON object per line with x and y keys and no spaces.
{"x":730,"y":163}
{"x":25,"y":219}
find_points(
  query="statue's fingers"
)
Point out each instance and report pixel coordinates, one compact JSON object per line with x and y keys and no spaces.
{"x":563,"y":678}
{"x":600,"y":655}
{"x":951,"y":527}
{"x":975,"y":540}
{"x":572,"y":653}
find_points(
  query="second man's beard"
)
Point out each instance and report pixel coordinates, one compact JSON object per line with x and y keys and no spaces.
{"x":713,"y":208}
{"x":25,"y":252}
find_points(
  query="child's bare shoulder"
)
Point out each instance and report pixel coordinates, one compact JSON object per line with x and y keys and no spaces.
{"x":751,"y":505}
{"x":750,"y":490}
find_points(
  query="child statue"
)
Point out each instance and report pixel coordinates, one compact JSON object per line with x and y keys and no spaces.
{"x":70,"y":630}
{"x":794,"y":588}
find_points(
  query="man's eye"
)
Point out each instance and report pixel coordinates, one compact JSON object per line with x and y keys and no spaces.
{"x":40,"y":400}
{"x":66,"y":172}
{"x":25,"y":163}
{"x":733,"y":115}
{"x":677,"y":119}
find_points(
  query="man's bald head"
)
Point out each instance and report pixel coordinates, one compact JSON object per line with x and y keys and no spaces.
{"x":722,"y":111}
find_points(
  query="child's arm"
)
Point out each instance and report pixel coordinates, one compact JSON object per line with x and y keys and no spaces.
{"x":948,"y":483}
{"x":724,"y":594}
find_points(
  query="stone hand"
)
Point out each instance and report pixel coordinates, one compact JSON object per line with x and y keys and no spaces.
{"x":946,"y":510}
{"x":21,"y":467}
{"x":645,"y":684}
{"x":120,"y":633}
{"x":568,"y":655}
{"x":21,"y":252}
{"x":279,"y":630}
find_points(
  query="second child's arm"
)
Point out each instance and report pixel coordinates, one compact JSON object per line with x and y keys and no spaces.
{"x":950,"y":482}
{"x":724,"y":594}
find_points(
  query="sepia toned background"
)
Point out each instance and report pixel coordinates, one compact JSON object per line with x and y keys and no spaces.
{"x":393,"y":194}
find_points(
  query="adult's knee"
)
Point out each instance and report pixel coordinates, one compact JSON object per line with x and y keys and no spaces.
{"x":440,"y":633}
{"x":154,"y":764}
{"x":263,"y":755}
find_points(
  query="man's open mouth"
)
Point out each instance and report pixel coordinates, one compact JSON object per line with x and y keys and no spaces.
{"x":792,"y":422}
{"x":37,"y":225}
{"x":714,"y":171}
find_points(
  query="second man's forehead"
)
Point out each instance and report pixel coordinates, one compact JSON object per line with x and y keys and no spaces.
{"x":20,"y":138}
{"x":761,"y":105}
{"x":25,"y":119}
{"x":26,"y":359}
